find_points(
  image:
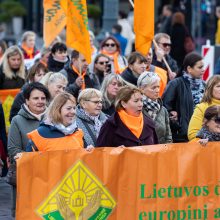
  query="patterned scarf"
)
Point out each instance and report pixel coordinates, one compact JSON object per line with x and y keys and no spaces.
{"x":205,"y":133}
{"x":95,"y":119}
{"x":197,"y":88}
{"x":152,"y":107}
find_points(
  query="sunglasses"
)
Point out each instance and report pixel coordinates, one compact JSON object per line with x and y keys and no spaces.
{"x":110,"y":45}
{"x":102,"y":63}
{"x":165,"y":44}
{"x":216,"y":120}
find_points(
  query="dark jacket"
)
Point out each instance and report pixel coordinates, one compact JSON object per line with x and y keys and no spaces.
{"x":162,"y":124}
{"x":14,"y":83}
{"x":18,"y":101}
{"x":128,"y":76}
{"x":172,"y":63}
{"x":71,"y":75}
{"x":54,"y":65}
{"x":178,"y":97}
{"x":114,"y":133}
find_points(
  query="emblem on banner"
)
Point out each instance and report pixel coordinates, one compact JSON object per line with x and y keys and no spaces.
{"x":79,"y":196}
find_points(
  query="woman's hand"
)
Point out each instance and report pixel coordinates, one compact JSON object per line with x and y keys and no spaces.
{"x":17,"y":156}
{"x":203,"y":142}
{"x":173,"y":116}
{"x":90,"y":148}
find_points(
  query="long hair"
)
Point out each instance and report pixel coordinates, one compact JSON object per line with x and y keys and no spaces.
{"x":12,"y":51}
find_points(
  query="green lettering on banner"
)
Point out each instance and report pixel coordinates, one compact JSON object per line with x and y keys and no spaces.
{"x":50,"y":13}
{"x":82,"y":11}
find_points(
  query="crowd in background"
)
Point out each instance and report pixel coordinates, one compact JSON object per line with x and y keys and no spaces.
{"x":122,"y":98}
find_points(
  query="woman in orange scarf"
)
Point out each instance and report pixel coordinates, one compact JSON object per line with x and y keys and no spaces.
{"x":111,"y":47}
{"x":127,"y":126}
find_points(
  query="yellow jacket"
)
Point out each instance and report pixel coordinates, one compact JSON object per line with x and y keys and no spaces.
{"x":217,"y":35}
{"x":196,"y":121}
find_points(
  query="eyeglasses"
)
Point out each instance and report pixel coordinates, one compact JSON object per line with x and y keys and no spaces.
{"x":165,"y":44}
{"x":110,"y":45}
{"x":216,"y":120}
{"x":102,"y":63}
{"x":96,"y":102}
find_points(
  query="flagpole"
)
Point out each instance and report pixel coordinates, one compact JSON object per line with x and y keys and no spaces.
{"x":156,"y":45}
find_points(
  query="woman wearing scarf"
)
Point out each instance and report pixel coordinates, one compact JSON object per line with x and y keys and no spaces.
{"x":210,"y":130}
{"x":27,"y":119}
{"x":127,"y":126}
{"x":89,"y":115}
{"x":111,"y":47}
{"x":149,"y":83}
{"x":28,"y":48}
{"x":58,"y":130}
{"x":183,"y":94}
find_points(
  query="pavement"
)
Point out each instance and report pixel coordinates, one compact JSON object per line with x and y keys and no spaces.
{"x":5,"y":200}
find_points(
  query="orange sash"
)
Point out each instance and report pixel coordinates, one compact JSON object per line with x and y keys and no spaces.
{"x":134,"y":124}
{"x":81,"y":75}
{"x":29,"y":51}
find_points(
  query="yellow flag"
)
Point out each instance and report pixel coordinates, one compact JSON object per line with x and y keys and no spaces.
{"x":54,"y":20}
{"x":77,"y":32}
{"x":143,"y":25}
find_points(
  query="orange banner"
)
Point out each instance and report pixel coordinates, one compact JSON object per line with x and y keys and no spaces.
{"x":143,"y":25}
{"x":7,"y":98}
{"x":54,"y":20}
{"x":77,"y":35}
{"x":159,"y":182}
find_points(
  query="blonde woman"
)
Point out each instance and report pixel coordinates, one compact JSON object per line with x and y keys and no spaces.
{"x":12,"y":69}
{"x":55,"y":83}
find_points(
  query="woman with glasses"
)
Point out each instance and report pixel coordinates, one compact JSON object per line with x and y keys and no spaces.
{"x":211,"y":97}
{"x":210,"y":130}
{"x":89,"y":115}
{"x":127,"y":126}
{"x":182,"y":94}
{"x":149,"y":83}
{"x":111,"y":47}
{"x":110,"y":87}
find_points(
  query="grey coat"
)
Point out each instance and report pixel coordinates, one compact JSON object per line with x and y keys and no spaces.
{"x":21,"y":124}
{"x":162,"y":124}
{"x":81,"y":119}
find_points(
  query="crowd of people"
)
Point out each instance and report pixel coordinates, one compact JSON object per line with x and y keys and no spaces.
{"x":116,"y":100}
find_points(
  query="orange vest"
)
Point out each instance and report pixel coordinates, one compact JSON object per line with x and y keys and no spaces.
{"x":72,"y":141}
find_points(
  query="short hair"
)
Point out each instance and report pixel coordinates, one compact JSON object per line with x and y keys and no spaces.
{"x":75,"y":54}
{"x":134,"y":56}
{"x":190,"y":60}
{"x":100,"y":55}
{"x":158,"y":36}
{"x":27,"y":34}
{"x":35,"y":86}
{"x":117,"y":27}
{"x":178,"y":18}
{"x":124,"y":95}
{"x":52,"y":77}
{"x":147,"y":78}
{"x":211,"y":112}
{"x":87,"y":94}
{"x":54,"y":110}
{"x":59,"y":46}
{"x":35,"y":69}
{"x":123,"y":14}
{"x":107,"y":80}
{"x":208,"y":94}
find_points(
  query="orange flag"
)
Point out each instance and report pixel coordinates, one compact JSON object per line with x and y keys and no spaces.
{"x":143,"y":24}
{"x":77,"y":35}
{"x":54,"y":20}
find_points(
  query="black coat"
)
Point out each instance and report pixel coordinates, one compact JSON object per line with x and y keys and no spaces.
{"x":54,"y":65}
{"x":14,"y":83}
{"x":178,"y":97}
{"x":71,"y":75}
{"x":114,"y":133}
{"x":128,"y":76}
